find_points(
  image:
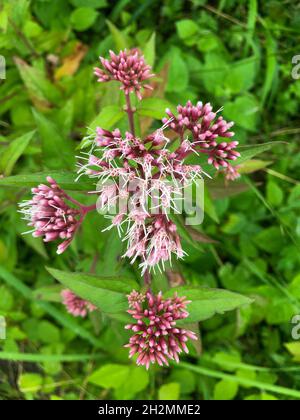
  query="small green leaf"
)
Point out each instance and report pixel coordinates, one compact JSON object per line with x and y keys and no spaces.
{"x":225,"y":390}
{"x":136,"y":381}
{"x":30,"y":382}
{"x":186,"y":28}
{"x":15,"y":149}
{"x":110,"y":376}
{"x":244,"y":111}
{"x":207,"y":302}
{"x":83,"y":18}
{"x":169,"y":391}
{"x":274,"y":194}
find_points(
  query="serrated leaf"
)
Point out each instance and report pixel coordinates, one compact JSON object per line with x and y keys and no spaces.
{"x":107,"y":293}
{"x":207,"y":302}
{"x":65,"y":179}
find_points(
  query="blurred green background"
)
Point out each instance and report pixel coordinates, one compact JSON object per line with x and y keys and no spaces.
{"x":236,"y":54}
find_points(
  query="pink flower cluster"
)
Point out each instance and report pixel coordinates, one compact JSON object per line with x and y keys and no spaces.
{"x":50,"y":215}
{"x":206,"y":129}
{"x":129,"y":68}
{"x":75,"y":305}
{"x":140,"y":169}
{"x":157,"y":338}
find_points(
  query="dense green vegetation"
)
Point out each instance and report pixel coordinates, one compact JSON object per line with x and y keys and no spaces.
{"x":236,"y":54}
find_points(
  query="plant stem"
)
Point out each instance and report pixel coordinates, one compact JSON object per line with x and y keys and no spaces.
{"x":147,"y":278}
{"x":87,"y":209}
{"x":130,"y":112}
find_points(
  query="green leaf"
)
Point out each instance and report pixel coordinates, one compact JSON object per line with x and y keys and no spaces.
{"x":186,"y":28}
{"x":136,"y":381}
{"x":248,"y":152}
{"x":110,"y":376}
{"x":207,"y":302}
{"x":65,"y":179}
{"x":154,"y":108}
{"x":39,"y":358}
{"x":108,"y":118}
{"x":97,"y":4}
{"x":253,"y":165}
{"x":149,"y":50}
{"x":243,"y":111}
{"x":271,"y":67}
{"x":269,"y":239}
{"x":41,"y":90}
{"x":107,"y":293}
{"x":30,"y":382}
{"x":169,"y":391}
{"x":294,"y":349}
{"x":178,"y":77}
{"x":12,"y":153}
{"x":225,"y":390}
{"x":49,"y":293}
{"x":120,"y":39}
{"x":242,"y":75}
{"x":83,"y":18}
{"x":65,"y":320}
{"x":274,"y":194}
{"x":57,"y":151}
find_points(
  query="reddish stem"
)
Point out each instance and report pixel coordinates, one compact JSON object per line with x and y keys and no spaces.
{"x":147,"y":278}
{"x":130,"y":113}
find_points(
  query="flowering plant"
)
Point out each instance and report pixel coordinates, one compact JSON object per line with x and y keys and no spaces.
{"x":140,"y":184}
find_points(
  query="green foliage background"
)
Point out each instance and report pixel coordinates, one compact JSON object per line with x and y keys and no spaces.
{"x":236,"y":54}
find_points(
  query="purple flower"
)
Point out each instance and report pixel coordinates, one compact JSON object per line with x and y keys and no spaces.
{"x":156,"y":337}
{"x":206,"y":128}
{"x":129,"y":68}
{"x":75,"y":305}
{"x":50,"y":215}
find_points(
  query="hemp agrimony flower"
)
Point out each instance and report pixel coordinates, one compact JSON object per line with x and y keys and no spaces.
{"x":75,"y":305}
{"x":157,"y":338}
{"x":140,"y":180}
{"x":51,"y":216}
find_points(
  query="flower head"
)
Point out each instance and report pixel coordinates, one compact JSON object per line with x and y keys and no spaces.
{"x":50,"y":215}
{"x":75,"y":305}
{"x":129,"y":68}
{"x":156,"y":337}
{"x":135,"y":297}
